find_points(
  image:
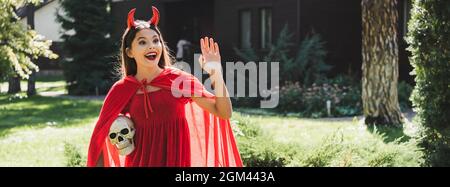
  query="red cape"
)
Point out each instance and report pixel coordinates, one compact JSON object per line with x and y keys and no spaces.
{"x":212,"y":140}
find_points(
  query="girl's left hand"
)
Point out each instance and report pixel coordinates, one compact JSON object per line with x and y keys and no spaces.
{"x":210,"y":58}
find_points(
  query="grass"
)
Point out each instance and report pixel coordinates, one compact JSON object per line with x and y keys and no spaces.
{"x":54,"y":131}
{"x":35,"y":131}
{"x":328,"y":142}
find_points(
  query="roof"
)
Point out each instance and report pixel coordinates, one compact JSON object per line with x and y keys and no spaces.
{"x":22,"y":11}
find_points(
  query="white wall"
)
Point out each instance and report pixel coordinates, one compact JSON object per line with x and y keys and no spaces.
{"x":45,"y":21}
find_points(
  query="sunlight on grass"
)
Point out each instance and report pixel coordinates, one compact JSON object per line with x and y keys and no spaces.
{"x":325,"y":142}
{"x":33,"y":131}
{"x":37,"y":131}
{"x":43,"y":146}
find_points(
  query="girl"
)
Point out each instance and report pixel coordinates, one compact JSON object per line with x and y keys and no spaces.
{"x":170,"y":130}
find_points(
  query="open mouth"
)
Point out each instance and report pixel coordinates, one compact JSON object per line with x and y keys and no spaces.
{"x":151,"y":55}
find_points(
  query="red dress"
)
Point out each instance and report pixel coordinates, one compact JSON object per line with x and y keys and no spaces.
{"x":162,"y":137}
{"x":170,"y":131}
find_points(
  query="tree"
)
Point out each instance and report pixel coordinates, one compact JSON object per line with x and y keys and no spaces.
{"x":19,"y":45}
{"x":380,"y":62}
{"x":31,"y":90}
{"x":88,"y":66}
{"x":429,"y":44}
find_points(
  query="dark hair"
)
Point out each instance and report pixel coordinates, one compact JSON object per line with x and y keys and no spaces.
{"x":128,"y":65}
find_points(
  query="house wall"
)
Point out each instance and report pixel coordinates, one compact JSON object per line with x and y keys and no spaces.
{"x":226,"y":22}
{"x":337,"y":21}
{"x":339,"y":24}
{"x":45,"y":21}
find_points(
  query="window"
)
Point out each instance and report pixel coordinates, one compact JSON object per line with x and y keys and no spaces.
{"x":266,"y":27}
{"x":245,"y":28}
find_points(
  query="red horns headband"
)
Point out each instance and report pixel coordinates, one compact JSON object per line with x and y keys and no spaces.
{"x":154,"y":21}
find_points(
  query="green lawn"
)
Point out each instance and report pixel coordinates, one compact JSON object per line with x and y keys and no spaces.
{"x":33,"y":131}
{"x":328,"y":142}
{"x":37,"y":131}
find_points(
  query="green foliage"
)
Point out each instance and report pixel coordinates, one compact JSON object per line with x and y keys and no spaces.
{"x":344,"y":96}
{"x":429,"y":44}
{"x":34,"y":129}
{"x":307,"y":67}
{"x":323,"y":144}
{"x":253,"y":102}
{"x":19,"y":44}
{"x":404,"y":93}
{"x":245,"y":127}
{"x":88,"y":66}
{"x":73,"y":156}
{"x":256,"y":149}
{"x":42,"y":125}
{"x":322,"y":155}
{"x":264,"y":152}
{"x":336,"y":150}
{"x":291,"y":98}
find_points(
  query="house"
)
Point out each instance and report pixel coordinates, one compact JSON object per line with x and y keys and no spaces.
{"x":253,"y":23}
{"x":42,"y":18}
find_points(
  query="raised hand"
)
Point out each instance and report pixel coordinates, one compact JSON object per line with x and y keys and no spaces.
{"x":210,"y":58}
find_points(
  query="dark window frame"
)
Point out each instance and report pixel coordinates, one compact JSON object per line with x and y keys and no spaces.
{"x":260,"y":24}
{"x":240,"y":14}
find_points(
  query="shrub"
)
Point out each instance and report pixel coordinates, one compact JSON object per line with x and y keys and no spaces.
{"x":262,"y":151}
{"x":328,"y":150}
{"x":404,"y":93}
{"x":243,"y":127}
{"x":311,"y":101}
{"x":291,"y":95}
{"x":339,"y":149}
{"x":429,"y":42}
{"x":73,"y":156}
{"x":258,"y":149}
{"x":342,"y":148}
{"x":307,"y":67}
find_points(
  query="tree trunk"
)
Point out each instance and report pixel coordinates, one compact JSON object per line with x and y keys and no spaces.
{"x":32,"y":80}
{"x":32,"y":84}
{"x":380,"y":62}
{"x":14,"y":85}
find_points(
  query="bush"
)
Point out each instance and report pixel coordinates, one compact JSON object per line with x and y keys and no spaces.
{"x":325,"y":153}
{"x":311,"y":101}
{"x":264,"y":152}
{"x":404,"y":93}
{"x":242,"y":127}
{"x":429,"y":43}
{"x":307,"y":67}
{"x":258,"y":150}
{"x":290,"y":98}
{"x":339,"y":149}
{"x":73,"y":156}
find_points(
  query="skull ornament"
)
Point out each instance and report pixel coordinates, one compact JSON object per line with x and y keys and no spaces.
{"x":121,"y":134}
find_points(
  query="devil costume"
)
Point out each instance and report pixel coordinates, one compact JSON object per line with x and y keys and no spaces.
{"x":170,"y":129}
